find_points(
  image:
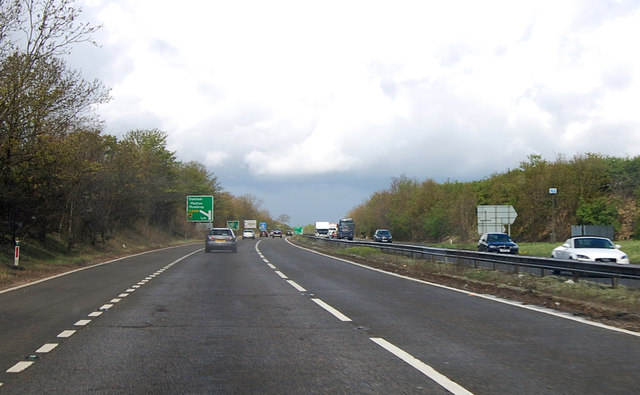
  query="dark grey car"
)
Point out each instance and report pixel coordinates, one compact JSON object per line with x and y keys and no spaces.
{"x":383,"y":236}
{"x":220,"y":239}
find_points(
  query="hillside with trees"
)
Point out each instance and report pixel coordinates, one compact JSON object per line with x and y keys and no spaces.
{"x":60,"y":176}
{"x":592,"y":189}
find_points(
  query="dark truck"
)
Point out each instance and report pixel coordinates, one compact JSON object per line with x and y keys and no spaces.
{"x":346,"y":228}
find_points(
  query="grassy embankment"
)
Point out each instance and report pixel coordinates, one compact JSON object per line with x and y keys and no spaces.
{"x":39,"y":260}
{"x":618,"y":307}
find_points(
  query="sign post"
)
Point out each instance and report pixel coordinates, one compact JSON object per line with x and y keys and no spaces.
{"x":199,"y":208}
{"x":553,"y":192}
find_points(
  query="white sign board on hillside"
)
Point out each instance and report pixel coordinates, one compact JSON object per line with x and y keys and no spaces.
{"x":250,"y":223}
{"x":495,"y":218}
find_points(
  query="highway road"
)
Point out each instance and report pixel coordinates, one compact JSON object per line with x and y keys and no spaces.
{"x":275,"y":318}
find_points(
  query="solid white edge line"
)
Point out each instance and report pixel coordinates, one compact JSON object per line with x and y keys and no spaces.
{"x":331,"y":310}
{"x":296,"y":286}
{"x":543,"y":310}
{"x":422,"y":367}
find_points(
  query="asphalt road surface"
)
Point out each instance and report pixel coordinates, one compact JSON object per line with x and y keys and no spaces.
{"x":274,"y":318}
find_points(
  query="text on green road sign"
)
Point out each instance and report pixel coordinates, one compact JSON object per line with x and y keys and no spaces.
{"x":200,"y":208}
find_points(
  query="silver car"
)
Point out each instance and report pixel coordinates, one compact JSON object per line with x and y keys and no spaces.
{"x":220,"y":239}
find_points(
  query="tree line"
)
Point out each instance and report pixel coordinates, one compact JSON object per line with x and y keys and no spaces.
{"x":592,"y":189}
{"x":59,"y":174}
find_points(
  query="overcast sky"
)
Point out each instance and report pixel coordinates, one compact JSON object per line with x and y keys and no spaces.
{"x":312,"y":106}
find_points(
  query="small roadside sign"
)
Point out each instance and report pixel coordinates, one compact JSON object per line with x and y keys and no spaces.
{"x":199,"y":208}
{"x":235,"y":225}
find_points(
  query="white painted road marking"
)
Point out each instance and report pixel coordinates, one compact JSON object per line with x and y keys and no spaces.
{"x":19,"y":367}
{"x":427,"y":370}
{"x":67,"y":333}
{"x":46,"y":348}
{"x":331,"y":310}
{"x":296,"y":286}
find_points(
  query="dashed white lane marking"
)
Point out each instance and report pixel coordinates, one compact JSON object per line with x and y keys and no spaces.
{"x":296,"y":286}
{"x":67,"y":333}
{"x":19,"y":367}
{"x":425,"y":369}
{"x":46,"y":348}
{"x":331,"y":310}
{"x":422,"y":367}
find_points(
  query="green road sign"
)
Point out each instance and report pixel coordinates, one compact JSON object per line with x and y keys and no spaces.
{"x":235,"y":225}
{"x":199,"y":208}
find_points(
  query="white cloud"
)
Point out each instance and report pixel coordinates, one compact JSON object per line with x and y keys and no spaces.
{"x":295,"y":90}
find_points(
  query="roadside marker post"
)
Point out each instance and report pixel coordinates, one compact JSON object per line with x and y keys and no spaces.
{"x":16,"y":255}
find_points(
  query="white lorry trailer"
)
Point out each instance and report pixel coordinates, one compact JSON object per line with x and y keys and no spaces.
{"x":322,"y":228}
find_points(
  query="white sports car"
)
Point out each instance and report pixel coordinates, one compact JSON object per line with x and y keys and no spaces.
{"x":591,"y":249}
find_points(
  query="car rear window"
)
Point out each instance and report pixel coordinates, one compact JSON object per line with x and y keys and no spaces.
{"x":220,"y":232}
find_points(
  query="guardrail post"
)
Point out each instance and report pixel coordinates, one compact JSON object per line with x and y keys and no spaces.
{"x":576,"y":276}
{"x":614,"y":282}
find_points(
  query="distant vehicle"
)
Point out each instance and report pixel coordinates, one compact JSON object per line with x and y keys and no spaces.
{"x":248,"y":234}
{"x":276,"y":233}
{"x":264,"y":233}
{"x":383,"y":236}
{"x":497,"y":242}
{"x":590,"y":249}
{"x":333,"y":230}
{"x":322,"y":228}
{"x":289,"y":233}
{"x":346,"y":228}
{"x":220,"y":239}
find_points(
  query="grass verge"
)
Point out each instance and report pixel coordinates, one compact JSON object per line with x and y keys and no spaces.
{"x":619,"y":307}
{"x":41,"y":259}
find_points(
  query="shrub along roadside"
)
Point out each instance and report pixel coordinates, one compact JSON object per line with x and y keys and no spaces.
{"x":619,"y":307}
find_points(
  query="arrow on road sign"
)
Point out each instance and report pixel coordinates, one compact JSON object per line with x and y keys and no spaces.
{"x":206,"y":213}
